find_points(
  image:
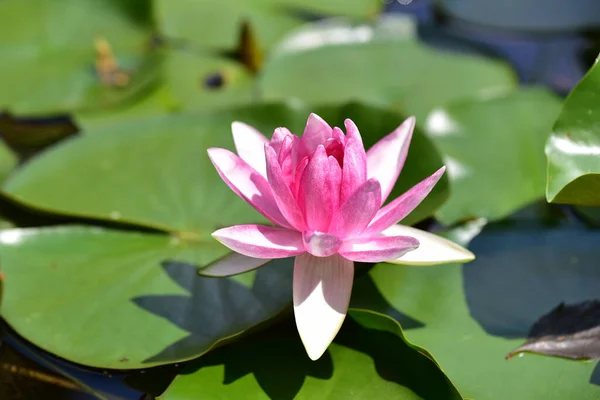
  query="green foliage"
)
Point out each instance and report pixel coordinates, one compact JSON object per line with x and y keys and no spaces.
{"x":103,"y":232}
{"x":572,"y":149}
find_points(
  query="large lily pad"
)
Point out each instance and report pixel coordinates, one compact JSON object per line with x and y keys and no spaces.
{"x":573,"y":149}
{"x":114,"y":299}
{"x":155,"y":171}
{"x":48,"y":55}
{"x":475,"y":314}
{"x":379,"y":69}
{"x":118,"y":299}
{"x":370,"y":358}
{"x":215,"y":24}
{"x":494,"y":152}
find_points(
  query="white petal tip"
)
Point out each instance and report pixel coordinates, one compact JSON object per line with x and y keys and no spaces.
{"x":316,"y":341}
{"x":315,"y":354}
{"x":433,"y":249}
{"x":237,"y":125}
{"x":322,"y":287}
{"x":457,"y":260}
{"x":409,"y":124}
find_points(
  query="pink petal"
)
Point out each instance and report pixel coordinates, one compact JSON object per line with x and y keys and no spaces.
{"x":232,"y":264}
{"x":281,"y":191}
{"x":378,"y":249}
{"x":299,"y":174}
{"x":278,"y":137}
{"x":285,"y":159}
{"x":319,"y":190}
{"x":247,"y":183}
{"x":338,"y":135}
{"x":358,"y":210}
{"x":322,"y":287}
{"x":404,"y":204}
{"x":250,"y":146}
{"x":316,"y":132}
{"x":354,"y":172}
{"x":386,"y":158}
{"x":261,"y":241}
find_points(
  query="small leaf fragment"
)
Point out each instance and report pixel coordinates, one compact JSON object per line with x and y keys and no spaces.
{"x":568,"y":331}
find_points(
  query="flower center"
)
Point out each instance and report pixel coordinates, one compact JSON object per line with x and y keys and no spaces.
{"x":335,"y":148}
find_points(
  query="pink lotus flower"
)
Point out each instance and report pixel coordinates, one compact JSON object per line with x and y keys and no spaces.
{"x":325,"y":193}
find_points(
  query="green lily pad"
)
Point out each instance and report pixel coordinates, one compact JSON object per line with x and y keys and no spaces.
{"x":123,"y":300}
{"x":473,"y":315}
{"x":8,"y":161}
{"x":370,"y":358}
{"x":112,"y":302}
{"x":48,"y":55}
{"x":216,"y":24}
{"x":494,"y":152}
{"x":199,"y":81}
{"x":574,"y":146}
{"x":362,"y":65}
{"x":155,"y":172}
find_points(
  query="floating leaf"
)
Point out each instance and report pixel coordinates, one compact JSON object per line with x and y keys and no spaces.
{"x":162,"y":184}
{"x":378,"y":69}
{"x":48,"y":54}
{"x":494,"y":152}
{"x":568,"y":331}
{"x":370,"y":358}
{"x":128,"y":299}
{"x":574,"y":146}
{"x":199,"y":80}
{"x":211,"y":24}
{"x":476,"y":313}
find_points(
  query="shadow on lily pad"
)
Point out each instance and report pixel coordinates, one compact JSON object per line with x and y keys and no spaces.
{"x":522,"y":271}
{"x":595,"y":378}
{"x":279,"y":364}
{"x":217,"y":308}
{"x":274,"y":356}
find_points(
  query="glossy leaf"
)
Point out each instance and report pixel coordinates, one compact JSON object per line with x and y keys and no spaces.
{"x":152,"y":172}
{"x":573,"y":149}
{"x":155,"y":171}
{"x":211,"y":24}
{"x":473,"y":315}
{"x":494,"y":152}
{"x":378,"y":69}
{"x":128,"y":300}
{"x":370,"y":358}
{"x":48,"y":54}
{"x":568,"y":331}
